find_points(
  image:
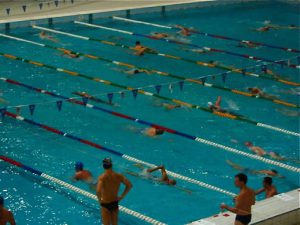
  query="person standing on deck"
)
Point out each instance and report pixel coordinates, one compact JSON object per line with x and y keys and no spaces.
{"x":243,"y":202}
{"x":107,"y":192}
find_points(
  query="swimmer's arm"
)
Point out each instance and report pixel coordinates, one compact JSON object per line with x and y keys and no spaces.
{"x":259,"y":191}
{"x":155,"y":168}
{"x":11,"y":219}
{"x":218,"y":102}
{"x":128,"y":186}
{"x":99,"y":189}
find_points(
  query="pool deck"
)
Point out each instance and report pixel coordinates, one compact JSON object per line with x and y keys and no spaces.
{"x":272,"y":211}
{"x":79,"y":7}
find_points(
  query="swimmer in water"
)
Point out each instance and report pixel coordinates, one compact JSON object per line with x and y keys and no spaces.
{"x":184,"y":31}
{"x":287,"y":112}
{"x":70,"y":54}
{"x":84,"y":175}
{"x":159,"y":35}
{"x":268,"y":187}
{"x":244,"y":44}
{"x":136,"y":71}
{"x":272,"y":172}
{"x":162,"y":179}
{"x":153,"y":131}
{"x":266,"y":28}
{"x":261,"y":152}
{"x":259,"y":93}
{"x":44,"y":35}
{"x":90,"y":97}
{"x":140,"y":49}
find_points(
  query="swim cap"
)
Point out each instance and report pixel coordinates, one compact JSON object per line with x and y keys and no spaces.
{"x":210,"y":103}
{"x":248,"y":143}
{"x":107,"y":163}
{"x":159,"y":131}
{"x":78,"y":166}
{"x":1,"y":200}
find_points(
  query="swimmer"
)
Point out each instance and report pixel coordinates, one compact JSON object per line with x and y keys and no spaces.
{"x":5,"y":215}
{"x":136,"y":71}
{"x":171,"y":106}
{"x":140,"y":49}
{"x":268,"y":188}
{"x":159,"y":35}
{"x":255,"y":149}
{"x":184,"y":31}
{"x":44,"y":35}
{"x":70,"y":54}
{"x":153,"y":131}
{"x":84,"y":94}
{"x":272,"y":172}
{"x":83,"y":175}
{"x":163,"y":179}
{"x":289,"y":27}
{"x":259,"y":93}
{"x":196,"y":50}
{"x":244,"y":44}
{"x":266,"y":28}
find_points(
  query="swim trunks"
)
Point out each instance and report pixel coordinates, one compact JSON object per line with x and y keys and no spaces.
{"x":245,"y":219}
{"x":112,"y":206}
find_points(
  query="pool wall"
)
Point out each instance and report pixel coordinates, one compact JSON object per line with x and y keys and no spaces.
{"x":7,"y":22}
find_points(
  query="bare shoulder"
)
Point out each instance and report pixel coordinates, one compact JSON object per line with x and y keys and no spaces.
{"x":101,"y":177}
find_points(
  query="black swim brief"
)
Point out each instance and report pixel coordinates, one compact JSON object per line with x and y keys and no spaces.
{"x":112,"y":206}
{"x":245,"y":219}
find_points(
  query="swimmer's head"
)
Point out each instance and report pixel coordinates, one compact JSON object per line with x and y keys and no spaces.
{"x":136,"y":71}
{"x":250,"y":89}
{"x":78,"y":166}
{"x":267,"y":181}
{"x":248,"y":144}
{"x":137,"y":43}
{"x":274,"y":171}
{"x":107,"y":163}
{"x":210,"y":104}
{"x":159,"y":131}
{"x":1,"y":201}
{"x":172,"y":182}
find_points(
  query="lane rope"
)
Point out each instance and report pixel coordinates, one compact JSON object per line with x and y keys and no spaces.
{"x":143,"y":122}
{"x":109,"y":83}
{"x":245,"y":56}
{"x":77,"y":190}
{"x":209,"y":35}
{"x":160,"y":73}
{"x":116,"y":153}
{"x":199,"y":63}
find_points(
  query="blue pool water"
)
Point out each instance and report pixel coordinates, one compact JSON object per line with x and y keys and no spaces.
{"x":35,"y":201}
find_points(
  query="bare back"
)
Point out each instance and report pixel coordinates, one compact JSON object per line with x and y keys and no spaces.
{"x":110,"y":184}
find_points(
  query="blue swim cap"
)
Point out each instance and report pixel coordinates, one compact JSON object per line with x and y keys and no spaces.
{"x":78,"y":166}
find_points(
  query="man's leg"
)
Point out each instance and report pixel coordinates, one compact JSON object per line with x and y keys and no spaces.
{"x":106,"y":216}
{"x":114,"y":217}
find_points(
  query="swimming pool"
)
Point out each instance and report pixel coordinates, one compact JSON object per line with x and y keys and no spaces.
{"x":35,"y":201}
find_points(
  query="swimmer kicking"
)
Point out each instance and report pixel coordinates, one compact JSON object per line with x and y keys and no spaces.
{"x":44,"y":35}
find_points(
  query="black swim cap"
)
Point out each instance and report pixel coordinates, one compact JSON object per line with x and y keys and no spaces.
{"x":136,"y":71}
{"x":159,"y":131}
{"x":275,"y":171}
{"x":137,"y":42}
{"x":1,"y":200}
{"x":107,"y":163}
